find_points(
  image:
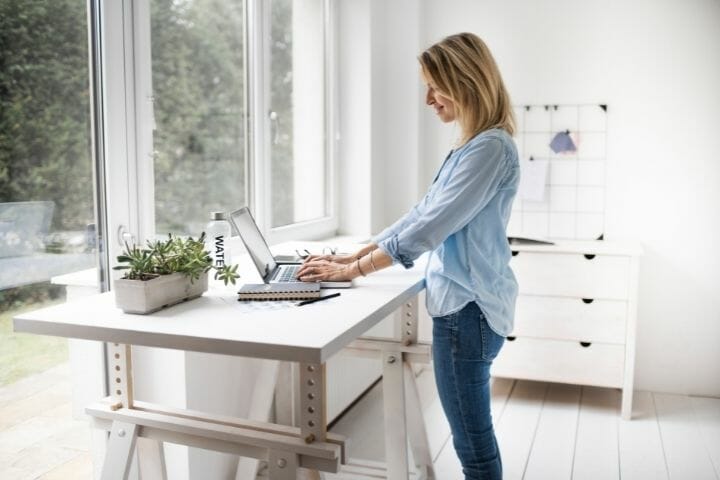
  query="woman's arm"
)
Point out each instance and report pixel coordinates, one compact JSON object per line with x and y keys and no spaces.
{"x":403,"y":222}
{"x":473,"y":182}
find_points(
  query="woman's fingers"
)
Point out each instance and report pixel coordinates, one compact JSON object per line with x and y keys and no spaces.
{"x":305,"y":273}
{"x":330,"y":258}
{"x":321,"y":270}
{"x":311,"y":258}
{"x":312,"y":264}
{"x":312,"y":275}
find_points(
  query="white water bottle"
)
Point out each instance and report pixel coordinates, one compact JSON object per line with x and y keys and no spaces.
{"x":217,"y":234}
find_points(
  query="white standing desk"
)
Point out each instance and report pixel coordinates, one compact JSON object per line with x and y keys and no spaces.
{"x":217,"y":323}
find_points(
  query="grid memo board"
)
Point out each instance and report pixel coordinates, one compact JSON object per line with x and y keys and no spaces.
{"x":573,"y":202}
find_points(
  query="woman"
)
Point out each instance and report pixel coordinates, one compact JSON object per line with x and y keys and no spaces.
{"x":461,"y":221}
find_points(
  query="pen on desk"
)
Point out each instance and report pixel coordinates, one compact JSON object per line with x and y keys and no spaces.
{"x":319,"y":299}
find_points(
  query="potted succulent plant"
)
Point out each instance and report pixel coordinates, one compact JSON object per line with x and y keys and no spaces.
{"x":166,"y":272}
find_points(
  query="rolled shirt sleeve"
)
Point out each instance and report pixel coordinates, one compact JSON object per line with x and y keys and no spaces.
{"x":476,"y":177}
{"x":403,"y":222}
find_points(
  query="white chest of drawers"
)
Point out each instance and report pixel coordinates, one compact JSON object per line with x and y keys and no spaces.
{"x":576,"y":315}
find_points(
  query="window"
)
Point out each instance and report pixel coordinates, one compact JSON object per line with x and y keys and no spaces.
{"x":47,"y":209}
{"x":231,"y":102}
{"x":198,"y":79}
{"x":297,"y":111}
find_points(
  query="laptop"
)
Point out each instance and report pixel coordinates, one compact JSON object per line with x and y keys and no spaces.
{"x":267,"y":265}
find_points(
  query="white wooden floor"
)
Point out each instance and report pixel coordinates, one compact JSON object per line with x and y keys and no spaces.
{"x":554,"y":431}
{"x":546,"y":431}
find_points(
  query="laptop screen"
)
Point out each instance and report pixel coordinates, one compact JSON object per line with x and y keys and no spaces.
{"x":254,"y":242}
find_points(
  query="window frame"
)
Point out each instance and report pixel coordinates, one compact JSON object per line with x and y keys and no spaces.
{"x":260,"y":160}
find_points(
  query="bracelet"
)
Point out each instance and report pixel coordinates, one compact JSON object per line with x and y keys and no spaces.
{"x":372,"y":264}
{"x":359,"y":269}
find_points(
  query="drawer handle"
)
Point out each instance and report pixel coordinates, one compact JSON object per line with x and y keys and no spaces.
{"x":585,"y":344}
{"x":514,"y":253}
{"x":587,"y":300}
{"x":511,"y":339}
{"x":589,"y":256}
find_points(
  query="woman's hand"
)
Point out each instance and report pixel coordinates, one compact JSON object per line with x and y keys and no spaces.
{"x":319,"y":269}
{"x":342,"y":259}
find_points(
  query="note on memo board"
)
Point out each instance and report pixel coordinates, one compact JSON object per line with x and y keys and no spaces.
{"x":533,"y":175}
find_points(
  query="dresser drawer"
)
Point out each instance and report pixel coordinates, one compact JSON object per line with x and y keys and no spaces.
{"x":566,"y":318}
{"x":561,"y":361}
{"x":572,"y":275}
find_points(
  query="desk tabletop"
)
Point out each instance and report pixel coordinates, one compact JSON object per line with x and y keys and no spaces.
{"x":218,"y":323}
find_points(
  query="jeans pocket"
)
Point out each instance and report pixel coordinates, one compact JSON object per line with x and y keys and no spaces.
{"x":491,"y":341}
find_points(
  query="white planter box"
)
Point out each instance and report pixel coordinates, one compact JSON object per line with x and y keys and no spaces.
{"x":147,"y":296}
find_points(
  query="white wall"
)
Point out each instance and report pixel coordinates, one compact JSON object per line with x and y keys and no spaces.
{"x":656,"y":63}
{"x":378,"y":150}
{"x":354,"y":146}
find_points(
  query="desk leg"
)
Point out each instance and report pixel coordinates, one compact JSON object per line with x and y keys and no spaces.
{"x":120,"y":381}
{"x":283,"y":465}
{"x":260,"y":405}
{"x":122,"y":440}
{"x":121,"y":446}
{"x":313,"y":408}
{"x":394,"y":410}
{"x":416,"y":425}
{"x":151,"y":459}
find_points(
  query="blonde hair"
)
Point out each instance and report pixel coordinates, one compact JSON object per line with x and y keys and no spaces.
{"x":462,"y":68}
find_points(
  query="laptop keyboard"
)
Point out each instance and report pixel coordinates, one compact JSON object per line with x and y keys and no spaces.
{"x":288,"y":274}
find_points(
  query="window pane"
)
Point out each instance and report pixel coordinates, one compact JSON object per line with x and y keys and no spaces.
{"x":198,"y":88}
{"x":297,"y":104}
{"x":46,"y":173}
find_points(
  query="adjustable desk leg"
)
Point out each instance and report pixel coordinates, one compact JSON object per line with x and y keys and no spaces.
{"x":416,"y":423}
{"x":313,"y":408}
{"x":394,"y":410}
{"x":151,"y":458}
{"x":417,"y":433}
{"x":282,"y":465}
{"x":119,"y":451}
{"x":402,"y":404}
{"x":263,"y":390}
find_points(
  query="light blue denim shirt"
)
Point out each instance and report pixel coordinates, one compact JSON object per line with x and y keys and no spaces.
{"x":461,"y":220}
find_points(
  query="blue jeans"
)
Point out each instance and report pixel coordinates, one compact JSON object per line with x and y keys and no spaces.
{"x":464,"y":347}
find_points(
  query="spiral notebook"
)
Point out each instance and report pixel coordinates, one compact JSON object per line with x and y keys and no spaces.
{"x":279,"y":291}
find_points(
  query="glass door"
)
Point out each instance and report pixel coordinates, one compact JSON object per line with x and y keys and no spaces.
{"x":49,"y":245}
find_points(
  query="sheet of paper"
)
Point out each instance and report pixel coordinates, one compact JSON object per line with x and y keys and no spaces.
{"x":533,"y":175}
{"x":259,"y":306}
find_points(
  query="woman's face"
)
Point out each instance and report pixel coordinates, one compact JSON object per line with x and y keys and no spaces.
{"x":444,"y":107}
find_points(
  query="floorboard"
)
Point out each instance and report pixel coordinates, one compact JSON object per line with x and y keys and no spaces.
{"x":596,"y":445}
{"x":707,"y":412}
{"x":517,"y":427}
{"x":553,"y":449}
{"x":640,"y":447}
{"x":685,"y":453}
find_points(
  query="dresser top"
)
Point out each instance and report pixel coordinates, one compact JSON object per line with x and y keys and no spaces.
{"x":594,"y":247}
